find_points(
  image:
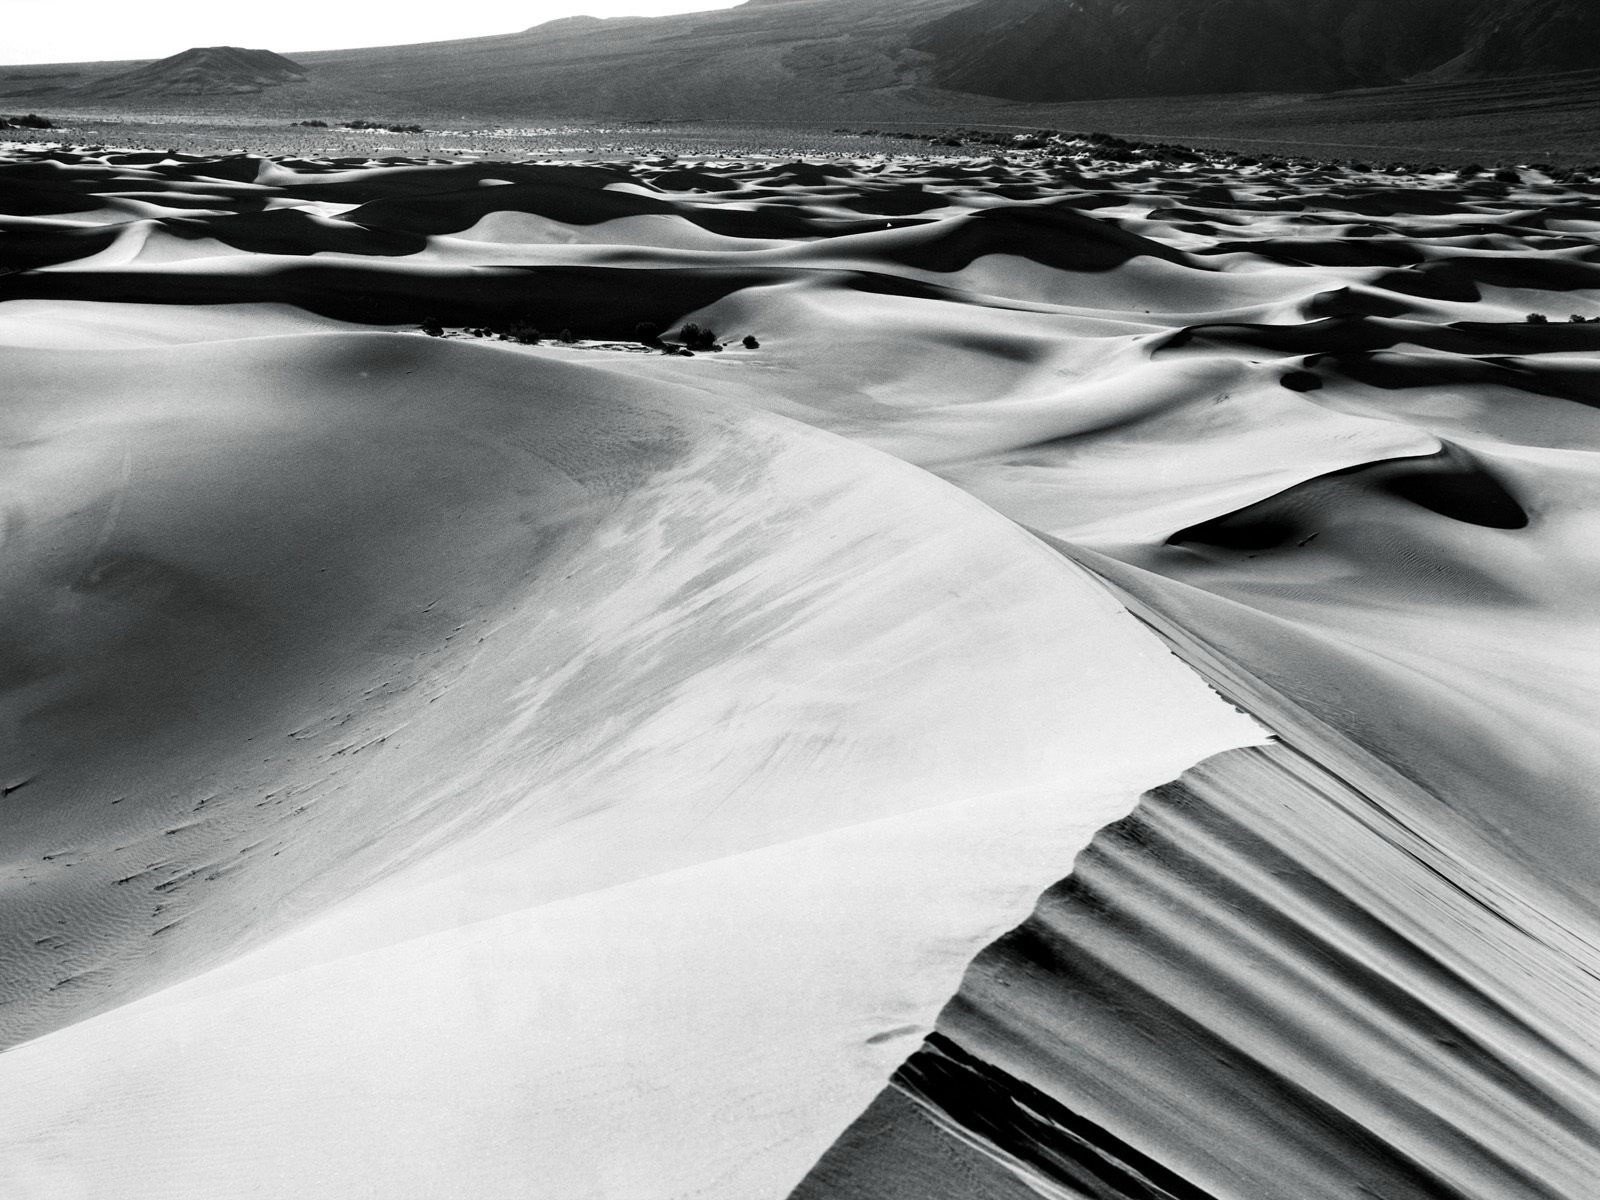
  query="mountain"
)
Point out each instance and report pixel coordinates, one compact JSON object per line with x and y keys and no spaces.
{"x":1058,"y":50}
{"x":1532,"y":37}
{"x":770,"y":58}
{"x":1089,"y":49}
{"x":783,"y":59}
{"x":830,"y":60}
{"x":201,"y":71}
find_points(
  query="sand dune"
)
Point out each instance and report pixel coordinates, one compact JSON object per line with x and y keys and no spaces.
{"x":472,"y":762}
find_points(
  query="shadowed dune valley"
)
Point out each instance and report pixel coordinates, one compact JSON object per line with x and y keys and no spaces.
{"x":1021,"y":664}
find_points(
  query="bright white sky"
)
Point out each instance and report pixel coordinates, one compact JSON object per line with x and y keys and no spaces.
{"x":37,"y":31}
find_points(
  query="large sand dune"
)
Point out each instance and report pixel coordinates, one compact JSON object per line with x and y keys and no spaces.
{"x":451,"y":766}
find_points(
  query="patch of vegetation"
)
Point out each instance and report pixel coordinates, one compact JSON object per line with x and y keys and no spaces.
{"x":750,"y":342}
{"x":311,"y":124}
{"x":515,"y":329}
{"x":27,"y":121}
{"x":380,"y":126}
{"x":697,"y":337}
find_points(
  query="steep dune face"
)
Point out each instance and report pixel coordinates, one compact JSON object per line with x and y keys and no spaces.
{"x":678,"y":721}
{"x":1229,"y":998}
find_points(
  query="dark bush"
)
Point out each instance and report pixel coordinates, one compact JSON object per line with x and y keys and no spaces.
{"x":521,"y":330}
{"x":647,"y":333}
{"x":697,"y":338}
{"x":311,"y":124}
{"x":1538,"y":319}
{"x":432,"y":328}
{"x":28,"y":121}
{"x":750,"y":343}
{"x":568,"y":336}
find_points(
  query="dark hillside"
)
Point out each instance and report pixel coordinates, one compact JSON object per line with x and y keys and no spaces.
{"x":1533,"y":37}
{"x":1091,"y":49}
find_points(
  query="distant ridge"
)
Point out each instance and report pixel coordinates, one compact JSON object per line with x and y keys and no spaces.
{"x":1064,"y":50}
{"x":805,"y":60}
{"x":1528,"y":38}
{"x":201,"y":71}
{"x":1094,"y":49}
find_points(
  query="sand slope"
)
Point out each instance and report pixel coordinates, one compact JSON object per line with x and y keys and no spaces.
{"x":493,"y":747}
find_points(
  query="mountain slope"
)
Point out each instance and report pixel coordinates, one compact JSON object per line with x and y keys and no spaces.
{"x":1088,"y":49}
{"x":775,"y":59}
{"x":782,"y":60}
{"x":828,"y":60}
{"x":1047,"y":50}
{"x":1528,"y":38}
{"x":202,"y":71}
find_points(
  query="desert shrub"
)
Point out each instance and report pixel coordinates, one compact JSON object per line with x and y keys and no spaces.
{"x":1538,"y":319}
{"x":1576,"y":319}
{"x":647,"y":333}
{"x":432,"y":327}
{"x":750,"y":342}
{"x":568,"y":336}
{"x":521,"y":330}
{"x":31,"y":121}
{"x":696,"y":337}
{"x":311,"y":124}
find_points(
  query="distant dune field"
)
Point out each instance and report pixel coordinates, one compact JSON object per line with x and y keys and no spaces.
{"x":568,"y":679}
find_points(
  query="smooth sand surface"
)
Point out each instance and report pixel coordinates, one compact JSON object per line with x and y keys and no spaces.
{"x":450,"y":766}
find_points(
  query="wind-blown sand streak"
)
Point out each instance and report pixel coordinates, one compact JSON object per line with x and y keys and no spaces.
{"x":348,"y":666}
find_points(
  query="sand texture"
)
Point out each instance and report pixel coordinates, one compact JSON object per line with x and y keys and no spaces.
{"x":560,"y":765}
